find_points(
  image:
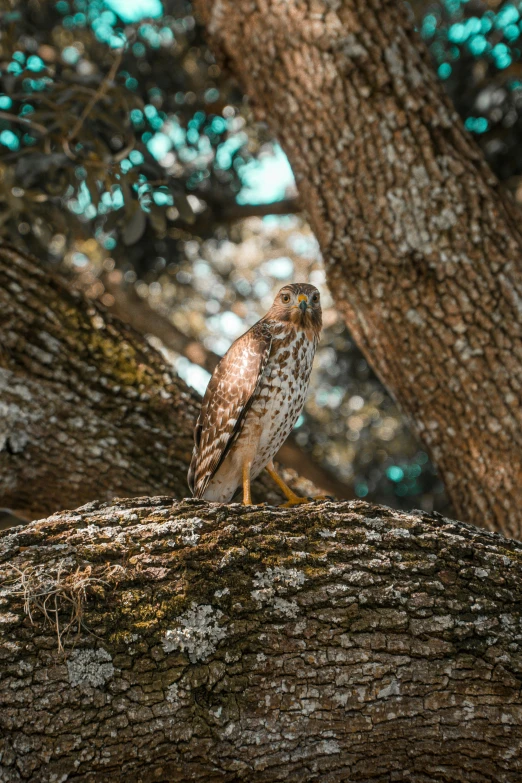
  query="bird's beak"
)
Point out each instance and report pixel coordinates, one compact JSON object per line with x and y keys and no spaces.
{"x":303,"y":302}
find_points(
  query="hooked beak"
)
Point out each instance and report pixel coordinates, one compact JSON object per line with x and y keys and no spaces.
{"x":303,"y":303}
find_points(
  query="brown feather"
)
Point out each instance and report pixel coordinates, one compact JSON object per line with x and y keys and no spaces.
{"x":255,"y":394}
{"x":227,"y":399}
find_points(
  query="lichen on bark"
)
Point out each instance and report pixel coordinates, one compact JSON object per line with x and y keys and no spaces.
{"x":337,"y":641}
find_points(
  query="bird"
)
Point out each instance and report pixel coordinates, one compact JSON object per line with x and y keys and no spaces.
{"x":255,"y":397}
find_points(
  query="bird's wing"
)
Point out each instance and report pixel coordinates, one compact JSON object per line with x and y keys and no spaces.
{"x":227,"y":399}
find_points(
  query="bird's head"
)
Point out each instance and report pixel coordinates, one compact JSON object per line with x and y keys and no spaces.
{"x":298,"y":304}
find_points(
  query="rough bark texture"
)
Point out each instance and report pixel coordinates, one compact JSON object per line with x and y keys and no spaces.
{"x":87,"y":408}
{"x":334,"y":642}
{"x":421,"y":248}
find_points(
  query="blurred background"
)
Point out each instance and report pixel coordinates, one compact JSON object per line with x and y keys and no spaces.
{"x":131,"y":163}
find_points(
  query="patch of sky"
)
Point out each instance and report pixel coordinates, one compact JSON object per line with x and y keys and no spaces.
{"x":159,"y":145}
{"x":218,"y":125}
{"x":5,"y":102}
{"x":395,"y":473}
{"x":429,"y":26}
{"x":187,"y":154}
{"x":477,"y":45}
{"x":113,"y":199}
{"x":444,"y":70}
{"x":151,"y":35}
{"x":457,"y":33}
{"x":507,"y":15}
{"x":175,"y":133}
{"x":453,"y":6}
{"x":361,"y":489}
{"x":136,"y":157}
{"x":476,"y":124}
{"x":280,"y":221}
{"x":299,"y":423}
{"x":162,"y":199}
{"x":79,"y":259}
{"x":227,"y":324}
{"x":82,"y":205}
{"x":9,"y":140}
{"x":501,"y":55}
{"x":306,"y":246}
{"x":35,"y":85}
{"x":281,"y":268}
{"x":217,"y":344}
{"x":211,"y":95}
{"x":486,"y":23}
{"x":35,"y":63}
{"x":511,"y":32}
{"x":14,"y":68}
{"x":70,"y":55}
{"x":192,"y":374}
{"x":266,"y":180}
{"x":228,"y":148}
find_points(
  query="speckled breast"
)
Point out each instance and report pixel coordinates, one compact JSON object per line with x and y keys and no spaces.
{"x":281,"y":395}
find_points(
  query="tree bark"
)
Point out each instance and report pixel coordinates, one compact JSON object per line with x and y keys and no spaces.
{"x":87,"y":407}
{"x":422,"y":248}
{"x":331,"y":642}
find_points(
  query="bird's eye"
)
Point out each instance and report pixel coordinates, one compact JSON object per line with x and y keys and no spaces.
{"x":285,"y":298}
{"x":315,"y":298}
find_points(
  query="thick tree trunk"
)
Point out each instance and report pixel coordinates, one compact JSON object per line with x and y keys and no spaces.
{"x":421,"y":248}
{"x":333,"y":642}
{"x":88,"y":410}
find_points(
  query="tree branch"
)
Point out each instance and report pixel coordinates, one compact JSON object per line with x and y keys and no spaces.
{"x":219,"y":213}
{"x":329,"y":642}
{"x":97,"y":96}
{"x":5,"y":115}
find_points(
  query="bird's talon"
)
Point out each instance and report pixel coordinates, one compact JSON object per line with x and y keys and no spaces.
{"x":297,"y":501}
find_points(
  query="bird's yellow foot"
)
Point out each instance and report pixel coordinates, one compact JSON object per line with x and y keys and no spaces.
{"x":296,"y":501}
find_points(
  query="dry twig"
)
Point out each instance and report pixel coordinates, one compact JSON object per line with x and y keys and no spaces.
{"x":98,"y":95}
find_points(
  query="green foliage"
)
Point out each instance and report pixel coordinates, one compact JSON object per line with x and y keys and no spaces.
{"x":477,"y":49}
{"x":108,"y":128}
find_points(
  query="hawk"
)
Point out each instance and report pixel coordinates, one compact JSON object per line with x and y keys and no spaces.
{"x":254,"y":398}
